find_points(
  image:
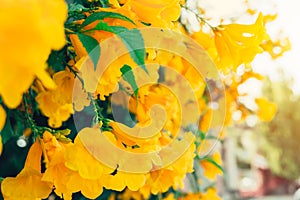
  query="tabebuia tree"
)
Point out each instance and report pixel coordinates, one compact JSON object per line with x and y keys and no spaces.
{"x":121,"y":99}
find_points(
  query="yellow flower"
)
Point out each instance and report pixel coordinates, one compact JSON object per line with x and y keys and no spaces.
{"x":2,"y":117}
{"x":158,"y":181}
{"x":65,"y":180}
{"x":108,"y":82}
{"x":57,"y":173}
{"x":120,"y":180}
{"x":79,"y":158}
{"x":90,"y":188}
{"x":158,"y":13}
{"x":210,"y":194}
{"x":266,"y":109}
{"x":205,"y":122}
{"x":211,"y":170}
{"x":169,"y":197}
{"x":150,"y":95}
{"x":27,"y":37}
{"x":90,"y":172}
{"x":237,"y":43}
{"x":80,"y":97}
{"x":78,"y":46}
{"x":144,"y":135}
{"x":207,"y":42}
{"x":173,"y":172}
{"x":2,"y":123}
{"x":191,"y":196}
{"x":28,"y":184}
{"x":50,"y":144}
{"x":277,"y":48}
{"x":57,"y":104}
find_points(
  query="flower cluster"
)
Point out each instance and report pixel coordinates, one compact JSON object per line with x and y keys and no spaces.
{"x":113,"y":112}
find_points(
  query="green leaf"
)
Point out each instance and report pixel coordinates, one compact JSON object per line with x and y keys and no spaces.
{"x":92,"y":47}
{"x":128,"y":76}
{"x":102,"y":15}
{"x":134,"y":42}
{"x":103,"y":26}
{"x":132,"y":39}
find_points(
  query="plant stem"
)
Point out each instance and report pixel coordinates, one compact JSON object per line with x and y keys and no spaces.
{"x":199,"y":17}
{"x":28,"y":116}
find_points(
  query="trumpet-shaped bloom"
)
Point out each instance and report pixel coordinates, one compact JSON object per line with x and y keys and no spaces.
{"x":27,"y":37}
{"x":79,"y":158}
{"x":90,"y":188}
{"x":238,"y":43}
{"x":65,"y":180}
{"x":57,"y":104}
{"x":28,"y":184}
{"x":175,"y":167}
{"x":159,"y":13}
{"x":59,"y":175}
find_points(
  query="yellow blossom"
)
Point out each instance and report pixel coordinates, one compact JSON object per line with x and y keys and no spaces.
{"x":120,"y":180}
{"x":205,"y":122}
{"x":28,"y":184}
{"x":65,"y":180}
{"x":174,"y":168}
{"x":158,"y":13}
{"x":210,"y":169}
{"x":206,"y":40}
{"x":58,"y":174}
{"x":169,"y":197}
{"x":80,"y":97}
{"x":277,"y":48}
{"x":78,"y":46}
{"x":210,"y":194}
{"x":145,"y":135}
{"x":57,"y":104}
{"x":2,"y":117}
{"x":237,"y":43}
{"x":25,"y":47}
{"x":266,"y":109}
{"x":79,"y":158}
{"x":50,"y":144}
{"x":90,"y":188}
{"x":150,"y":95}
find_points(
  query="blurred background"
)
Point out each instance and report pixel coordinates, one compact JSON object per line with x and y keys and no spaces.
{"x":262,"y":161}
